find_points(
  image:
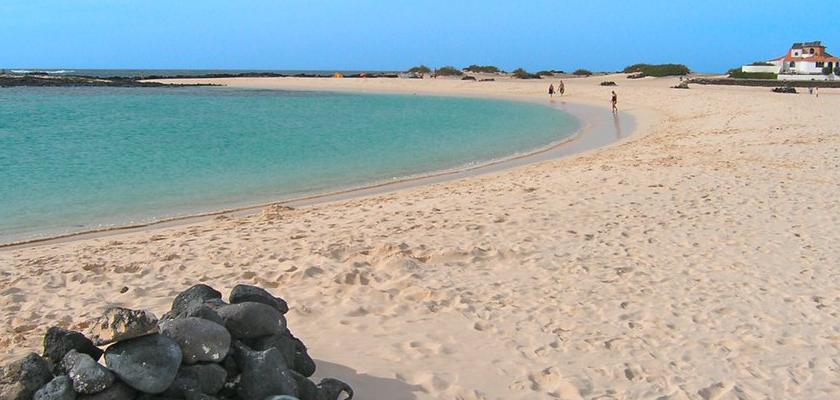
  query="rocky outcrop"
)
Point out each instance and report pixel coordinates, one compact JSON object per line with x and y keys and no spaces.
{"x":21,"y":379}
{"x":121,"y":324}
{"x":205,"y":349}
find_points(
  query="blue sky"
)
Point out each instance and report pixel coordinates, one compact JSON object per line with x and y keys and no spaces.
{"x":707,"y":35}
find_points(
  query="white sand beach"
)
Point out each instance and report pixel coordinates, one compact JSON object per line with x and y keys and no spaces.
{"x":696,"y":259}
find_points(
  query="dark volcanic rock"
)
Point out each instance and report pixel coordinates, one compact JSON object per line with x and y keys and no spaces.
{"x":264,"y":373}
{"x":200,"y":340}
{"x":307,"y":390}
{"x":148,"y":364}
{"x":284,"y":397}
{"x":194,"y":296}
{"x":21,"y":379}
{"x":204,"y":311}
{"x":252,"y":320}
{"x":121,"y":323}
{"x":198,"y":396}
{"x":283,"y":342}
{"x":117,"y":391}
{"x":58,"y":341}
{"x":248,"y":293}
{"x":60,"y":388}
{"x":201,"y":378}
{"x":87,"y":375}
{"x":229,"y":364}
{"x":303,"y":362}
{"x":200,"y":301}
{"x":293,"y":350}
{"x":330,"y":389}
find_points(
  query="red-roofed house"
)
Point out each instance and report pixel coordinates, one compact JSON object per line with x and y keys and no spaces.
{"x":804,"y":61}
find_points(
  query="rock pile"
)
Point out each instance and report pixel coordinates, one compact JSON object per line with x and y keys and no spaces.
{"x":203,"y":349}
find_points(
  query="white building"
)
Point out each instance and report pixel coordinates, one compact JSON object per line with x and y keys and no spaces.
{"x":804,"y":62}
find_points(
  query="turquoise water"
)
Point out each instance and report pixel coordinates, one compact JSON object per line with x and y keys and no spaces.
{"x":76,"y":159}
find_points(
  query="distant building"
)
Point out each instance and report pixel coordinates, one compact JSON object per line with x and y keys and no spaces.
{"x":804,"y":62}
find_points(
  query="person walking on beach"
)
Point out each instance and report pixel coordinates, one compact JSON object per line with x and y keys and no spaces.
{"x":562,"y":88}
{"x":551,"y":90}
{"x":614,"y":101}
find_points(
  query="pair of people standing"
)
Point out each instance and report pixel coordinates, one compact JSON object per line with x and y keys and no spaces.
{"x":561,"y":89}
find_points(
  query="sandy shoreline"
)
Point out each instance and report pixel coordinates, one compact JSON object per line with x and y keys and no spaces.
{"x":695,"y":260}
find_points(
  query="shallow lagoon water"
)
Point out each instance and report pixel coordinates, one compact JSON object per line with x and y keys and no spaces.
{"x":77,"y":159}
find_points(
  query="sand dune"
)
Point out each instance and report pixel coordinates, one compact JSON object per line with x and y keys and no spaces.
{"x":696,"y":260}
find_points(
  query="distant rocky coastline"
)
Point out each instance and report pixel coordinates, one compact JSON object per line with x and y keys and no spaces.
{"x":44,"y":80}
{"x":37,"y":79}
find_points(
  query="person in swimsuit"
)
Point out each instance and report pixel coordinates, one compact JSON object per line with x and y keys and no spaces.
{"x":551,"y":90}
{"x":562,"y":88}
{"x":614,"y":101}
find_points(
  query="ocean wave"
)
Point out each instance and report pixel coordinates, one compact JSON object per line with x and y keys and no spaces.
{"x":28,"y":71}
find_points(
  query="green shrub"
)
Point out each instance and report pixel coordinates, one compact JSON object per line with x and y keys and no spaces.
{"x":837,"y":70}
{"x":738,"y":74}
{"x":448,"y":71}
{"x":521,"y":73}
{"x":486,"y":69}
{"x":582,"y":72}
{"x":658,"y":70}
{"x":545,"y":73}
{"x":420,"y":69}
{"x":826,"y":71}
{"x":762,"y":64}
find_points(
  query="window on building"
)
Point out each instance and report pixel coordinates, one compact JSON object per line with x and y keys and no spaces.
{"x":792,"y":64}
{"x":820,"y":64}
{"x":811,"y":51}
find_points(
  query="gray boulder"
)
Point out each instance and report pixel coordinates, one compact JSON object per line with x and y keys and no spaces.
{"x":201,"y":378}
{"x":264,"y":373}
{"x":331,"y":389}
{"x":119,"y":323}
{"x":60,"y":388}
{"x":58,"y":341}
{"x":87,"y":375}
{"x":148,"y":364}
{"x":198,"y":396}
{"x":192,"y":297}
{"x":282,"y":398}
{"x":198,"y":310}
{"x":248,"y":293}
{"x":117,"y":391}
{"x":200,"y":340}
{"x":307,"y":390}
{"x":293,"y":350}
{"x":22,"y":378}
{"x":328,"y":389}
{"x":252,"y":320}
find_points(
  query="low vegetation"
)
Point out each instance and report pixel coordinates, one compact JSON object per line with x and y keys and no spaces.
{"x":521,"y":73}
{"x":448,"y":71}
{"x":738,"y":74}
{"x":420,"y":69}
{"x":483,"y":69}
{"x":761,"y":64}
{"x":657,"y":70}
{"x":582,"y":72}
